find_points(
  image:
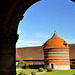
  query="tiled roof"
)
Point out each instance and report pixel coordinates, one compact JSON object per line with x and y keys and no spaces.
{"x":36,"y":53}
{"x":17,"y":55}
{"x":55,"y":42}
{"x":30,"y":53}
{"x":72,"y":51}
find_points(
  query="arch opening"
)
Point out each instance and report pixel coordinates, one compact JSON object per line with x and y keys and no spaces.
{"x":63,"y":29}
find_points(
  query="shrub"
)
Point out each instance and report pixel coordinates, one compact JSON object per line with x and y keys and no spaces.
{"x":26,"y":66}
{"x":49,"y":69}
{"x":22,"y":73}
{"x":17,"y":66}
{"x":72,"y":66}
{"x":22,"y":64}
{"x":33,"y":73}
{"x":41,"y":69}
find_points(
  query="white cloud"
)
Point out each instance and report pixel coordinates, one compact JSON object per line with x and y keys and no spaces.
{"x":70,"y":41}
{"x":43,"y":35}
{"x":21,"y":33}
{"x":27,"y":45}
{"x":25,"y":41}
{"x":33,"y":45}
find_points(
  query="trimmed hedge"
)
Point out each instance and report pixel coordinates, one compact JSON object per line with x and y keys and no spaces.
{"x":72,"y":66}
{"x":22,"y":73}
{"x":33,"y":73}
{"x":41,"y":69}
{"x":49,"y":69}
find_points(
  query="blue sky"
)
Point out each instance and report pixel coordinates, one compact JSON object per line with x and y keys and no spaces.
{"x":42,"y":18}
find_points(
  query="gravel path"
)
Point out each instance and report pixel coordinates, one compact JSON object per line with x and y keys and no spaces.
{"x":40,"y":72}
{"x":19,"y":69}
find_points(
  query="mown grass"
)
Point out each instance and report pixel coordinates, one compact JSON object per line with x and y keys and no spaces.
{"x":28,"y":71}
{"x":55,"y":72}
{"x":60,"y":72}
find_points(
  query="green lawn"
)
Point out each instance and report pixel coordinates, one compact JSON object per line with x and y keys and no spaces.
{"x":55,"y":72}
{"x":28,"y":71}
{"x":60,"y":72}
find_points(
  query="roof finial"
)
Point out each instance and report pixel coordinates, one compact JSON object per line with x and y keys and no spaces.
{"x":54,"y":31}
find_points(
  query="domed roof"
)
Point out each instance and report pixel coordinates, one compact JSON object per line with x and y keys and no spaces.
{"x":55,"y":42}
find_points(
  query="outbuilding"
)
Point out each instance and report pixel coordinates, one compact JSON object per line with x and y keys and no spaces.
{"x":56,"y":53}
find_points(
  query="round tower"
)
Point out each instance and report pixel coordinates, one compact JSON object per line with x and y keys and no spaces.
{"x":56,"y":53}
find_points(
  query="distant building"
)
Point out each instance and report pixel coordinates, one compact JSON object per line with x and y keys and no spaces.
{"x":34,"y":56}
{"x":56,"y":53}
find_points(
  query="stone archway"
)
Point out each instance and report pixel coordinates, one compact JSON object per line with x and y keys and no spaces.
{"x":11,"y":12}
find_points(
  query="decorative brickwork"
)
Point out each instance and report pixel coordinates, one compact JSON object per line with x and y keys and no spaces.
{"x":56,"y":53}
{"x":34,"y":54}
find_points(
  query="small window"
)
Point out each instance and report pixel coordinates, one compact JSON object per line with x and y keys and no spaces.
{"x":65,"y":44}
